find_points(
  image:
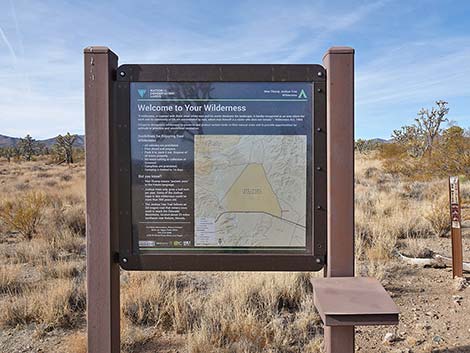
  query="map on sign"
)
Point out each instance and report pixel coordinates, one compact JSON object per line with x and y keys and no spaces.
{"x":250,"y":190}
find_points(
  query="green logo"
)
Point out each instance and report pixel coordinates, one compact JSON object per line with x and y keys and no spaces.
{"x":302,"y":94}
{"x":142,"y":92}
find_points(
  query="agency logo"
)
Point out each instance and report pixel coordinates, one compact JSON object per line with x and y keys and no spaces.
{"x":142,"y":92}
{"x":302,"y":94}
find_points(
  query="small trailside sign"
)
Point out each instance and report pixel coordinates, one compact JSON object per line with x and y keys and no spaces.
{"x":220,"y":167}
{"x":454,"y":201}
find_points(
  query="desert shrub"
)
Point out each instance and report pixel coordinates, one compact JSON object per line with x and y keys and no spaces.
{"x":35,"y":252}
{"x":65,"y":241}
{"x":415,"y":247}
{"x":374,"y":267}
{"x":50,"y":183}
{"x":59,"y":304}
{"x":413,"y":190}
{"x":382,"y":247}
{"x":371,"y":172}
{"x":451,"y":155}
{"x":24,"y":214}
{"x":63,"y":269}
{"x":266,"y":314}
{"x":388,"y":212}
{"x":405,"y":167}
{"x":10,"y":280}
{"x":465,"y":192}
{"x":74,"y":198}
{"x":438,"y":216}
{"x":22,"y":186}
{"x":134,"y":337}
{"x":422,"y":151}
{"x":16,"y":311}
{"x":74,"y":218}
{"x":66,"y":177}
{"x":391,"y":151}
{"x":68,"y":212}
{"x":155,"y":300}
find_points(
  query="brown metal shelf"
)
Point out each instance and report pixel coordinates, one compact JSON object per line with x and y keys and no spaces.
{"x":353,"y":301}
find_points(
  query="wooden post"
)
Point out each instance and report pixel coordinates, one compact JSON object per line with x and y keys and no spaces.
{"x":103,"y":313}
{"x":339,"y":64}
{"x":456,"y":229}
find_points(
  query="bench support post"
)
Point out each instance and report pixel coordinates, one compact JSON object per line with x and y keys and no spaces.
{"x":339,"y":64}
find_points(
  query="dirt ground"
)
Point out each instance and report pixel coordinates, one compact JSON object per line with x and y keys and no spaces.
{"x":435,"y":316}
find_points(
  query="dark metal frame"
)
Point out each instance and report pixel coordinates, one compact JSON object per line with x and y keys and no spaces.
{"x":129,"y":256}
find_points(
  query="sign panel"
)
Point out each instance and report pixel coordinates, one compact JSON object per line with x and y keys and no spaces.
{"x":220,"y":165}
{"x":220,"y":168}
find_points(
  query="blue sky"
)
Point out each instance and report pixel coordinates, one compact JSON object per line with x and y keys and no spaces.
{"x":408,"y":53}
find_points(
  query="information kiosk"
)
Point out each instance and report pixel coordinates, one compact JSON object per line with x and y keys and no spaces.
{"x":224,"y":168}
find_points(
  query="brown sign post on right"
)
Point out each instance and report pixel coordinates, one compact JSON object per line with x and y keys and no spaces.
{"x":456,"y":230}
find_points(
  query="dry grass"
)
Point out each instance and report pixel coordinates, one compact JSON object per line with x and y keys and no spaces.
{"x":266,"y":314}
{"x":415,"y":247}
{"x":76,"y":343}
{"x":42,"y":272}
{"x":437,"y":215}
{"x":389,"y":209}
{"x":134,"y":337}
{"x":154,"y":299}
{"x":11,"y":282}
{"x":59,"y":303}
{"x":42,"y":279}
{"x":33,"y":252}
{"x":64,"y":269}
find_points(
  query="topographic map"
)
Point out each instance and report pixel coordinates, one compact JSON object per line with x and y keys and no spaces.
{"x":250,"y":190}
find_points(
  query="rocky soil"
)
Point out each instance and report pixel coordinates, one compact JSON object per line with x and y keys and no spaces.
{"x":435,"y":309}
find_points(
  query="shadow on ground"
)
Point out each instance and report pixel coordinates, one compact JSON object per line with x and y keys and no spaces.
{"x":463,"y":349}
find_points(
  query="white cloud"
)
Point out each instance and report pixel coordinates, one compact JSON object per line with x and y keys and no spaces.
{"x":43,"y":94}
{"x":416,"y":72}
{"x":43,"y":63}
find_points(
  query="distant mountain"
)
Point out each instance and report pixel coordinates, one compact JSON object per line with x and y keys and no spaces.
{"x":79,"y":142}
{"x":8,"y":141}
{"x":379,"y":140}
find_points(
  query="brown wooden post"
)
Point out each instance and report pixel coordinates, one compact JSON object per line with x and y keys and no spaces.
{"x":339,"y":64}
{"x":102,"y":272}
{"x":456,"y":228}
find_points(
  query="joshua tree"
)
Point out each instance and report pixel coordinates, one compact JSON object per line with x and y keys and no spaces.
{"x":365,"y":146}
{"x":430,"y":123}
{"x":9,"y":153}
{"x":64,"y":146}
{"x":421,"y":136}
{"x":27,"y":147}
{"x":42,"y":149}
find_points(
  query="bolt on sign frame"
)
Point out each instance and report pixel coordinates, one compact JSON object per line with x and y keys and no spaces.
{"x":311,"y":258}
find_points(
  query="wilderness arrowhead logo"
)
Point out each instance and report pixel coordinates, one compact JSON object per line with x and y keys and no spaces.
{"x":302,"y":94}
{"x":142,"y":92}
